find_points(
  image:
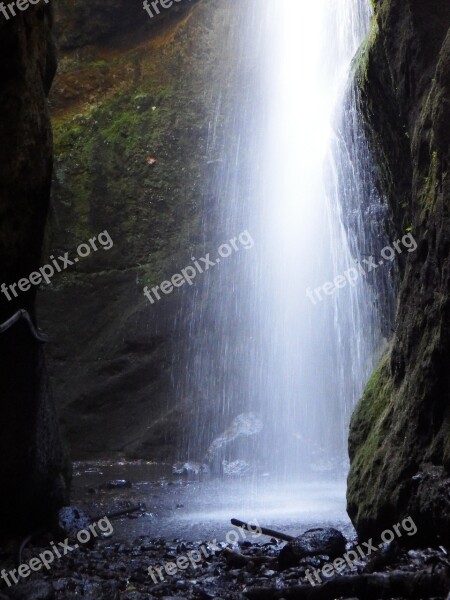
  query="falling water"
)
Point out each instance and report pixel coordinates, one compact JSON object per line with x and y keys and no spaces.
{"x":274,"y":365}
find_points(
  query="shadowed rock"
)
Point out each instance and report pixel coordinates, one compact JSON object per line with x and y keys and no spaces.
{"x":33,"y":471}
{"x":327,"y":541}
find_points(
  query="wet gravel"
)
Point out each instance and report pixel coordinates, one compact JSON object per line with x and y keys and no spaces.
{"x":113,"y":571}
{"x":117,"y":567}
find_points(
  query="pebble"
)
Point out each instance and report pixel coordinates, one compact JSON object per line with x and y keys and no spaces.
{"x":119,"y":484}
{"x":32,"y":590}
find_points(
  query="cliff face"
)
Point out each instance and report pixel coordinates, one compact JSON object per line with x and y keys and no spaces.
{"x":32,"y":465}
{"x":83,"y":23}
{"x":400,"y":432}
{"x":26,"y":151}
{"x":131,"y":126}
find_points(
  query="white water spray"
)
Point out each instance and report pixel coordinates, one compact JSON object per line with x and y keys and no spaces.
{"x":322,"y":338}
{"x":269,"y":349}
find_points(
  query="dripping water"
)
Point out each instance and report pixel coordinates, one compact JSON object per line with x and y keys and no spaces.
{"x":269,"y":374}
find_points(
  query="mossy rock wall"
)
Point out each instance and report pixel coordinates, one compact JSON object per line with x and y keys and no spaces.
{"x":132,"y":115}
{"x":400,"y":432}
{"x":81,"y":22}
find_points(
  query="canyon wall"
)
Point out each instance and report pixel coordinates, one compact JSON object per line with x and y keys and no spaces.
{"x":33,"y":468}
{"x":132,"y":137}
{"x":137,"y":106}
{"x":400,"y":432}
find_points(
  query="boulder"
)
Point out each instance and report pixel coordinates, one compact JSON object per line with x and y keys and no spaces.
{"x":321,"y":541}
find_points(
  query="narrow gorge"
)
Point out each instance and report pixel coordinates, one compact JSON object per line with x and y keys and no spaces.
{"x":225,"y":295}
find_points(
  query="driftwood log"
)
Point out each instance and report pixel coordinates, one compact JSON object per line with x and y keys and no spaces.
{"x":376,"y":586}
{"x":321,"y":540}
{"x":278,"y":535}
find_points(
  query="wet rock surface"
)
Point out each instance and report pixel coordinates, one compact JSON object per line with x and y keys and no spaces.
{"x":128,"y":99}
{"x":327,"y":541}
{"x":89,"y":21}
{"x":71,"y":520}
{"x":246,"y":426}
{"x":399,"y":443}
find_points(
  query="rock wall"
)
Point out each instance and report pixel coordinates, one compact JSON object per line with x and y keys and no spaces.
{"x":400,"y":432}
{"x":32,"y":465}
{"x":81,"y":23}
{"x":132,"y":113}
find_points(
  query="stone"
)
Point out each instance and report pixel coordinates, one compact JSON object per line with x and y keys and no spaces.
{"x":245,"y":425}
{"x":188,"y":469}
{"x":116,"y":484}
{"x":71,"y":520}
{"x":32,"y":590}
{"x":236,"y":468}
{"x":324,"y":541}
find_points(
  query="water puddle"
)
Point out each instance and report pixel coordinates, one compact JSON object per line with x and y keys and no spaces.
{"x":201,"y":508}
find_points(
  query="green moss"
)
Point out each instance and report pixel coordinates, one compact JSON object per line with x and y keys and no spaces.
{"x":372,"y":408}
{"x":377,"y":393}
{"x":428,"y":196}
{"x":152,"y":109}
{"x":361,"y":63}
{"x":369,"y":428}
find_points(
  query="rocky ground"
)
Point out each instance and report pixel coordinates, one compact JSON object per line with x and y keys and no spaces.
{"x":236,"y":565}
{"x":113,"y":570}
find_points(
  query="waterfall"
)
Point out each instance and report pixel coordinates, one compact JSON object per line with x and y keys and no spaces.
{"x":276,"y":361}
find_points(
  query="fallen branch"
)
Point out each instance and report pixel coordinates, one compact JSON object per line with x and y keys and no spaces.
{"x":264,"y":530}
{"x":22,"y":314}
{"x":396,"y":584}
